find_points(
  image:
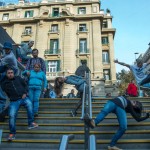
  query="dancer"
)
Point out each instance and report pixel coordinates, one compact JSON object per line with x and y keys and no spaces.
{"x":74,"y":80}
{"x":119,"y":106}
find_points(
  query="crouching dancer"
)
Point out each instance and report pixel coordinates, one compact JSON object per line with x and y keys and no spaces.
{"x":119,"y":106}
{"x":16,"y":89}
{"x":73,"y":80}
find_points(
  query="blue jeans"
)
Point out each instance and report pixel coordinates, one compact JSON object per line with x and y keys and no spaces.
{"x":145,"y":81}
{"x":13,"y":111}
{"x":34,"y":95}
{"x":121,"y":116}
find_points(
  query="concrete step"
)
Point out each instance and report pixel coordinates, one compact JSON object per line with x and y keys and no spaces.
{"x":129,"y":144}
{"x":65,"y":113}
{"x":79,"y":134}
{"x":54,"y":120}
{"x":79,"y":126}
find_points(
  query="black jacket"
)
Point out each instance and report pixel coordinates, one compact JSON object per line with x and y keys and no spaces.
{"x":14,"y":88}
{"x":81,"y":70}
{"x":129,"y":109}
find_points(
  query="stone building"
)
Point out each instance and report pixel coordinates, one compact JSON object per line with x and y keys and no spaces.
{"x":65,"y":32}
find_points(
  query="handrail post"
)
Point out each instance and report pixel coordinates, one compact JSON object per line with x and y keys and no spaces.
{"x":86,"y":128}
{"x":92,"y":143}
{"x":1,"y":131}
{"x":64,"y":141}
{"x":83,"y":98}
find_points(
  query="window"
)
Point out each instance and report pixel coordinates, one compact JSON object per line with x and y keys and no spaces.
{"x":54,"y":28}
{"x":105,"y":25}
{"x":55,"y":12}
{"x":54,"y":44}
{"x":54,"y":66}
{"x":5,"y":16}
{"x":106,"y":74}
{"x":29,"y":14}
{"x":82,"y":27}
{"x":28,"y":30}
{"x":105,"y":57}
{"x":83,"y":46}
{"x":105,"y":40}
{"x":81,"y":10}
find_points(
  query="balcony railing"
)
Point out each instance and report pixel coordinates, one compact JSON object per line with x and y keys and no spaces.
{"x":26,"y":33}
{"x":52,"y":52}
{"x":53,"y":31}
{"x":82,"y":30}
{"x":82,"y":51}
{"x":106,"y":62}
{"x":55,"y":16}
{"x":52,"y":75}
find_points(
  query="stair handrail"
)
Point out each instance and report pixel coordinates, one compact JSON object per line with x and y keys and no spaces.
{"x":1,"y":131}
{"x":86,"y":107}
{"x":92,"y":142}
{"x":83,"y":100}
{"x":65,"y":140}
{"x":89,"y":96}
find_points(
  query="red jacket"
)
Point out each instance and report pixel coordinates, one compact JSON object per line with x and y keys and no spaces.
{"x":132,"y":89}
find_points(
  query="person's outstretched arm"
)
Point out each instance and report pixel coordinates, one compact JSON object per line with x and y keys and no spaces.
{"x":122,"y":63}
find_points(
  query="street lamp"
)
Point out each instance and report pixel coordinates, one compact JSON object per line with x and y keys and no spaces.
{"x":136,"y":53}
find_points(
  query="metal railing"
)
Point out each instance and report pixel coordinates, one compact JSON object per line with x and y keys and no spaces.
{"x":1,"y":131}
{"x":26,"y":33}
{"x":82,"y":51}
{"x":65,"y":140}
{"x":52,"y":52}
{"x":92,"y":143}
{"x":82,"y":30}
{"x":53,"y":31}
{"x":86,"y":108}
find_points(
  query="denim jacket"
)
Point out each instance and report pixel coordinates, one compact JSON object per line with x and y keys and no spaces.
{"x":77,"y":81}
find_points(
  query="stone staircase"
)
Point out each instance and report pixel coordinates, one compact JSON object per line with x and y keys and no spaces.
{"x":55,"y":120}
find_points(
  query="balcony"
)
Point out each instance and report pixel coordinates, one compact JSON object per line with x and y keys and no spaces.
{"x":54,"y":16}
{"x":80,"y":31}
{"x":82,"y":52}
{"x":106,"y":62}
{"x":26,"y":33}
{"x":56,"y":31}
{"x":53,"y":75}
{"x":53,"y":52}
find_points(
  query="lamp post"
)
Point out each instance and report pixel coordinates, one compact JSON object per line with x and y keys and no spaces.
{"x":136,"y":53}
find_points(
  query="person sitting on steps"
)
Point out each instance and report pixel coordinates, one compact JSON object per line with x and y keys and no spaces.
{"x":119,"y":106}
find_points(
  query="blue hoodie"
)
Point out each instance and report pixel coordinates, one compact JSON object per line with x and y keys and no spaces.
{"x":36,"y":79}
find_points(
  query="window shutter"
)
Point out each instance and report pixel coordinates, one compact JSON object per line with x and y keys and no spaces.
{"x":53,"y":12}
{"x":80,"y":46}
{"x":85,"y":46}
{"x":31,"y":13}
{"x":57,"y":45}
{"x":78,"y":10}
{"x":51,"y":46}
{"x":103,"y":57}
{"x":46,"y":63}
{"x":58,"y":65}
{"x":25,"y":15}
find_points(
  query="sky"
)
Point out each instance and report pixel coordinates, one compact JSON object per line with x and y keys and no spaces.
{"x":131,"y":18}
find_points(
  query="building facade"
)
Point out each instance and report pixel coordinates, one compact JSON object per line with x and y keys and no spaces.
{"x":65,"y":32}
